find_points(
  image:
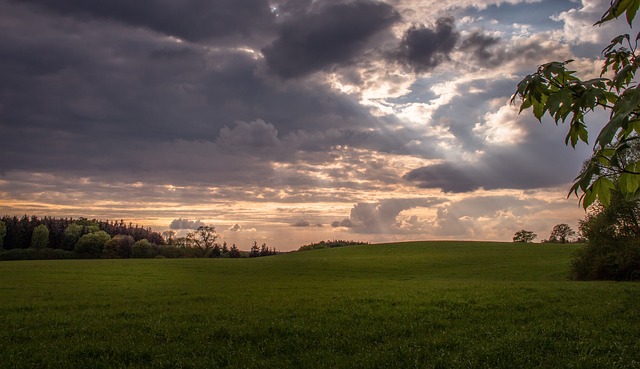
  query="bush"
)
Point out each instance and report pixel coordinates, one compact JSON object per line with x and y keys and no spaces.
{"x":612,"y":251}
{"x":169,"y":251}
{"x":120,"y":246}
{"x":91,"y":244}
{"x":34,"y":254}
{"x":617,"y":260}
{"x":71,"y":236}
{"x":143,"y":249}
{"x":40,"y":237}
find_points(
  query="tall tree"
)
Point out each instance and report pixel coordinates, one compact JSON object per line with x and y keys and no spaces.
{"x":91,"y":244}
{"x":234,"y":252}
{"x":169,"y":235}
{"x":555,"y":90}
{"x":206,"y":236}
{"x":561,"y":233}
{"x":3,"y":232}
{"x":524,"y":236}
{"x":71,"y":235}
{"x":40,"y":237}
{"x":255,"y":250}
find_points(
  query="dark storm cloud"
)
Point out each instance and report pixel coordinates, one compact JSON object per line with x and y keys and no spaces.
{"x":424,"y":48}
{"x":332,"y":35}
{"x":105,"y":99}
{"x":524,"y":166}
{"x":192,"y":20}
{"x":479,"y":44}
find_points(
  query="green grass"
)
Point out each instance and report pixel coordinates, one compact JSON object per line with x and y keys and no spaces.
{"x":410,"y":305}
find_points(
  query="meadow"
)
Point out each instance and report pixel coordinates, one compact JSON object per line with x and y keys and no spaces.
{"x":405,"y":305}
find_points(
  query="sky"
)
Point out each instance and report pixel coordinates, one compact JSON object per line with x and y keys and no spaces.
{"x":292,"y":121}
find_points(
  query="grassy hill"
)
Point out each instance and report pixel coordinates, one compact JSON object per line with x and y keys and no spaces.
{"x":409,"y":305}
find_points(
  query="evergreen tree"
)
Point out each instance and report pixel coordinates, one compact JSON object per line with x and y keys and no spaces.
{"x":255,"y":250}
{"x":3,"y":232}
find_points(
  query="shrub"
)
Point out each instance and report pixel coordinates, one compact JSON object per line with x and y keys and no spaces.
{"x":40,"y":237}
{"x":120,"y":246}
{"x":3,"y":232}
{"x":143,"y":249}
{"x":71,"y":235}
{"x":34,"y":254}
{"x":613,"y":248}
{"x":607,"y":260}
{"x":169,"y":251}
{"x":91,"y":244}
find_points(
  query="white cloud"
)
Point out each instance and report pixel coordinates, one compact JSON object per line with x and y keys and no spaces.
{"x":502,"y":127}
{"x":579,"y":24}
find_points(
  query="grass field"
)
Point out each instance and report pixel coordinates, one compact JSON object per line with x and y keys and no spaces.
{"x":409,"y":305}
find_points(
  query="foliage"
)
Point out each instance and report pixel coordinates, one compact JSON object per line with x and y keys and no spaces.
{"x":143,"y":249}
{"x":34,"y":254}
{"x":3,"y":232}
{"x":555,"y":90}
{"x":91,"y":244}
{"x":20,"y":230}
{"x":206,"y":236}
{"x":40,"y":237}
{"x":561,"y":233}
{"x":607,"y":260}
{"x":170,"y":251}
{"x":120,"y":247}
{"x":71,"y":235}
{"x":613,"y":247}
{"x":330,"y":244}
{"x":169,"y":235}
{"x":202,"y":240}
{"x":524,"y":236}
{"x":234,"y":252}
{"x":255,"y":250}
{"x":65,"y":235}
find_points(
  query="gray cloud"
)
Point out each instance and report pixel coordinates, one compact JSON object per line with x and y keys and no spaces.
{"x":347,"y":223}
{"x":424,"y":48}
{"x":185,"y":224}
{"x":238,"y":228}
{"x":381,"y":217}
{"x":193,"y":20}
{"x":506,"y":168}
{"x":478,"y":44}
{"x":331,"y":35}
{"x":102,"y":105}
{"x":301,"y":223}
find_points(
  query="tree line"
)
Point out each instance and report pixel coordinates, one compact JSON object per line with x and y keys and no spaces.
{"x":330,"y":244}
{"x":30,"y":237}
{"x":561,"y":233}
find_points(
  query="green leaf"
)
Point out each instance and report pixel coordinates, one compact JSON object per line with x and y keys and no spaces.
{"x":632,"y":10}
{"x":602,"y":189}
{"x":588,"y":198}
{"x":629,"y":183}
{"x":617,"y":8}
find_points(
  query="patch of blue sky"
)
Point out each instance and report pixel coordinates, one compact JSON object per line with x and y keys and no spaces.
{"x":538,"y":15}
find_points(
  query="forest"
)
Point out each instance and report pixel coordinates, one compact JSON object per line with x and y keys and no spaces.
{"x":31,"y":237}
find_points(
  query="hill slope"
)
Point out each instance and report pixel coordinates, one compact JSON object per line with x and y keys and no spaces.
{"x":412,"y":305}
